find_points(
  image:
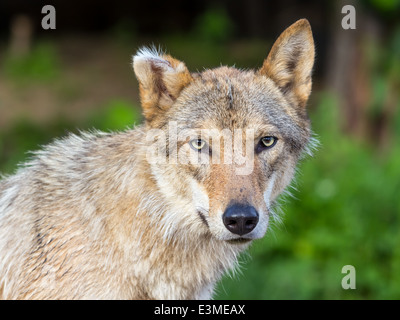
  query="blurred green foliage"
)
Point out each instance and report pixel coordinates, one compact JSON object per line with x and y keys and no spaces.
{"x":41,"y":64}
{"x":385,"y":5}
{"x":116,"y":115}
{"x":214,"y":25}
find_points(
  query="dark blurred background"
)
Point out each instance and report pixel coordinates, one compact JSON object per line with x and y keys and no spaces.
{"x":346,"y":205}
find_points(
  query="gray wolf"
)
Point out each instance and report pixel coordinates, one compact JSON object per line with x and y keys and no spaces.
{"x":93,"y":217}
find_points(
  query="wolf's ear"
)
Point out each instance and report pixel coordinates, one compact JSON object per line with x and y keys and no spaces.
{"x":161,"y":79}
{"x":290,"y":61}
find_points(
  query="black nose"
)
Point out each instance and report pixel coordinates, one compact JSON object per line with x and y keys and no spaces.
{"x":240,"y":219}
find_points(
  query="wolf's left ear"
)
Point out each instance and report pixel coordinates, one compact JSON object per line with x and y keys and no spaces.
{"x":161,"y":79}
{"x":290,"y":61}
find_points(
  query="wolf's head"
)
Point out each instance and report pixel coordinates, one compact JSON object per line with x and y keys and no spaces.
{"x":229,"y":139}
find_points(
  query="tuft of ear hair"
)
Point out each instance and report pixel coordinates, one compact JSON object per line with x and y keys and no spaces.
{"x":161,"y":79}
{"x":290,"y":62}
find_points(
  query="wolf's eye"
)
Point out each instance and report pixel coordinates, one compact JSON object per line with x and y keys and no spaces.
{"x":268,"y":142}
{"x":197,"y":144}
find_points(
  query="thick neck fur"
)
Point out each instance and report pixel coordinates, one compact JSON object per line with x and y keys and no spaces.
{"x":99,"y":230}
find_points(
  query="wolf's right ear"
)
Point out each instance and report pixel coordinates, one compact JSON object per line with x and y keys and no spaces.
{"x":161,"y":79}
{"x":290,"y":62}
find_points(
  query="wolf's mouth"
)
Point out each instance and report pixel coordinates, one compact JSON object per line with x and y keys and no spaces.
{"x":239,"y":240}
{"x":203,"y":218}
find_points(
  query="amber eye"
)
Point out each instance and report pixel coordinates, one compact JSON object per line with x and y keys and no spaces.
{"x":268,"y":142}
{"x":197,"y":144}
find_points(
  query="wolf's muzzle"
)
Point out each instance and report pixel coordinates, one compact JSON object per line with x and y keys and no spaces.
{"x":240,"y":219}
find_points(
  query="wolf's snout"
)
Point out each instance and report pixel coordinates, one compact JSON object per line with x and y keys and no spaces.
{"x":240,"y":219}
